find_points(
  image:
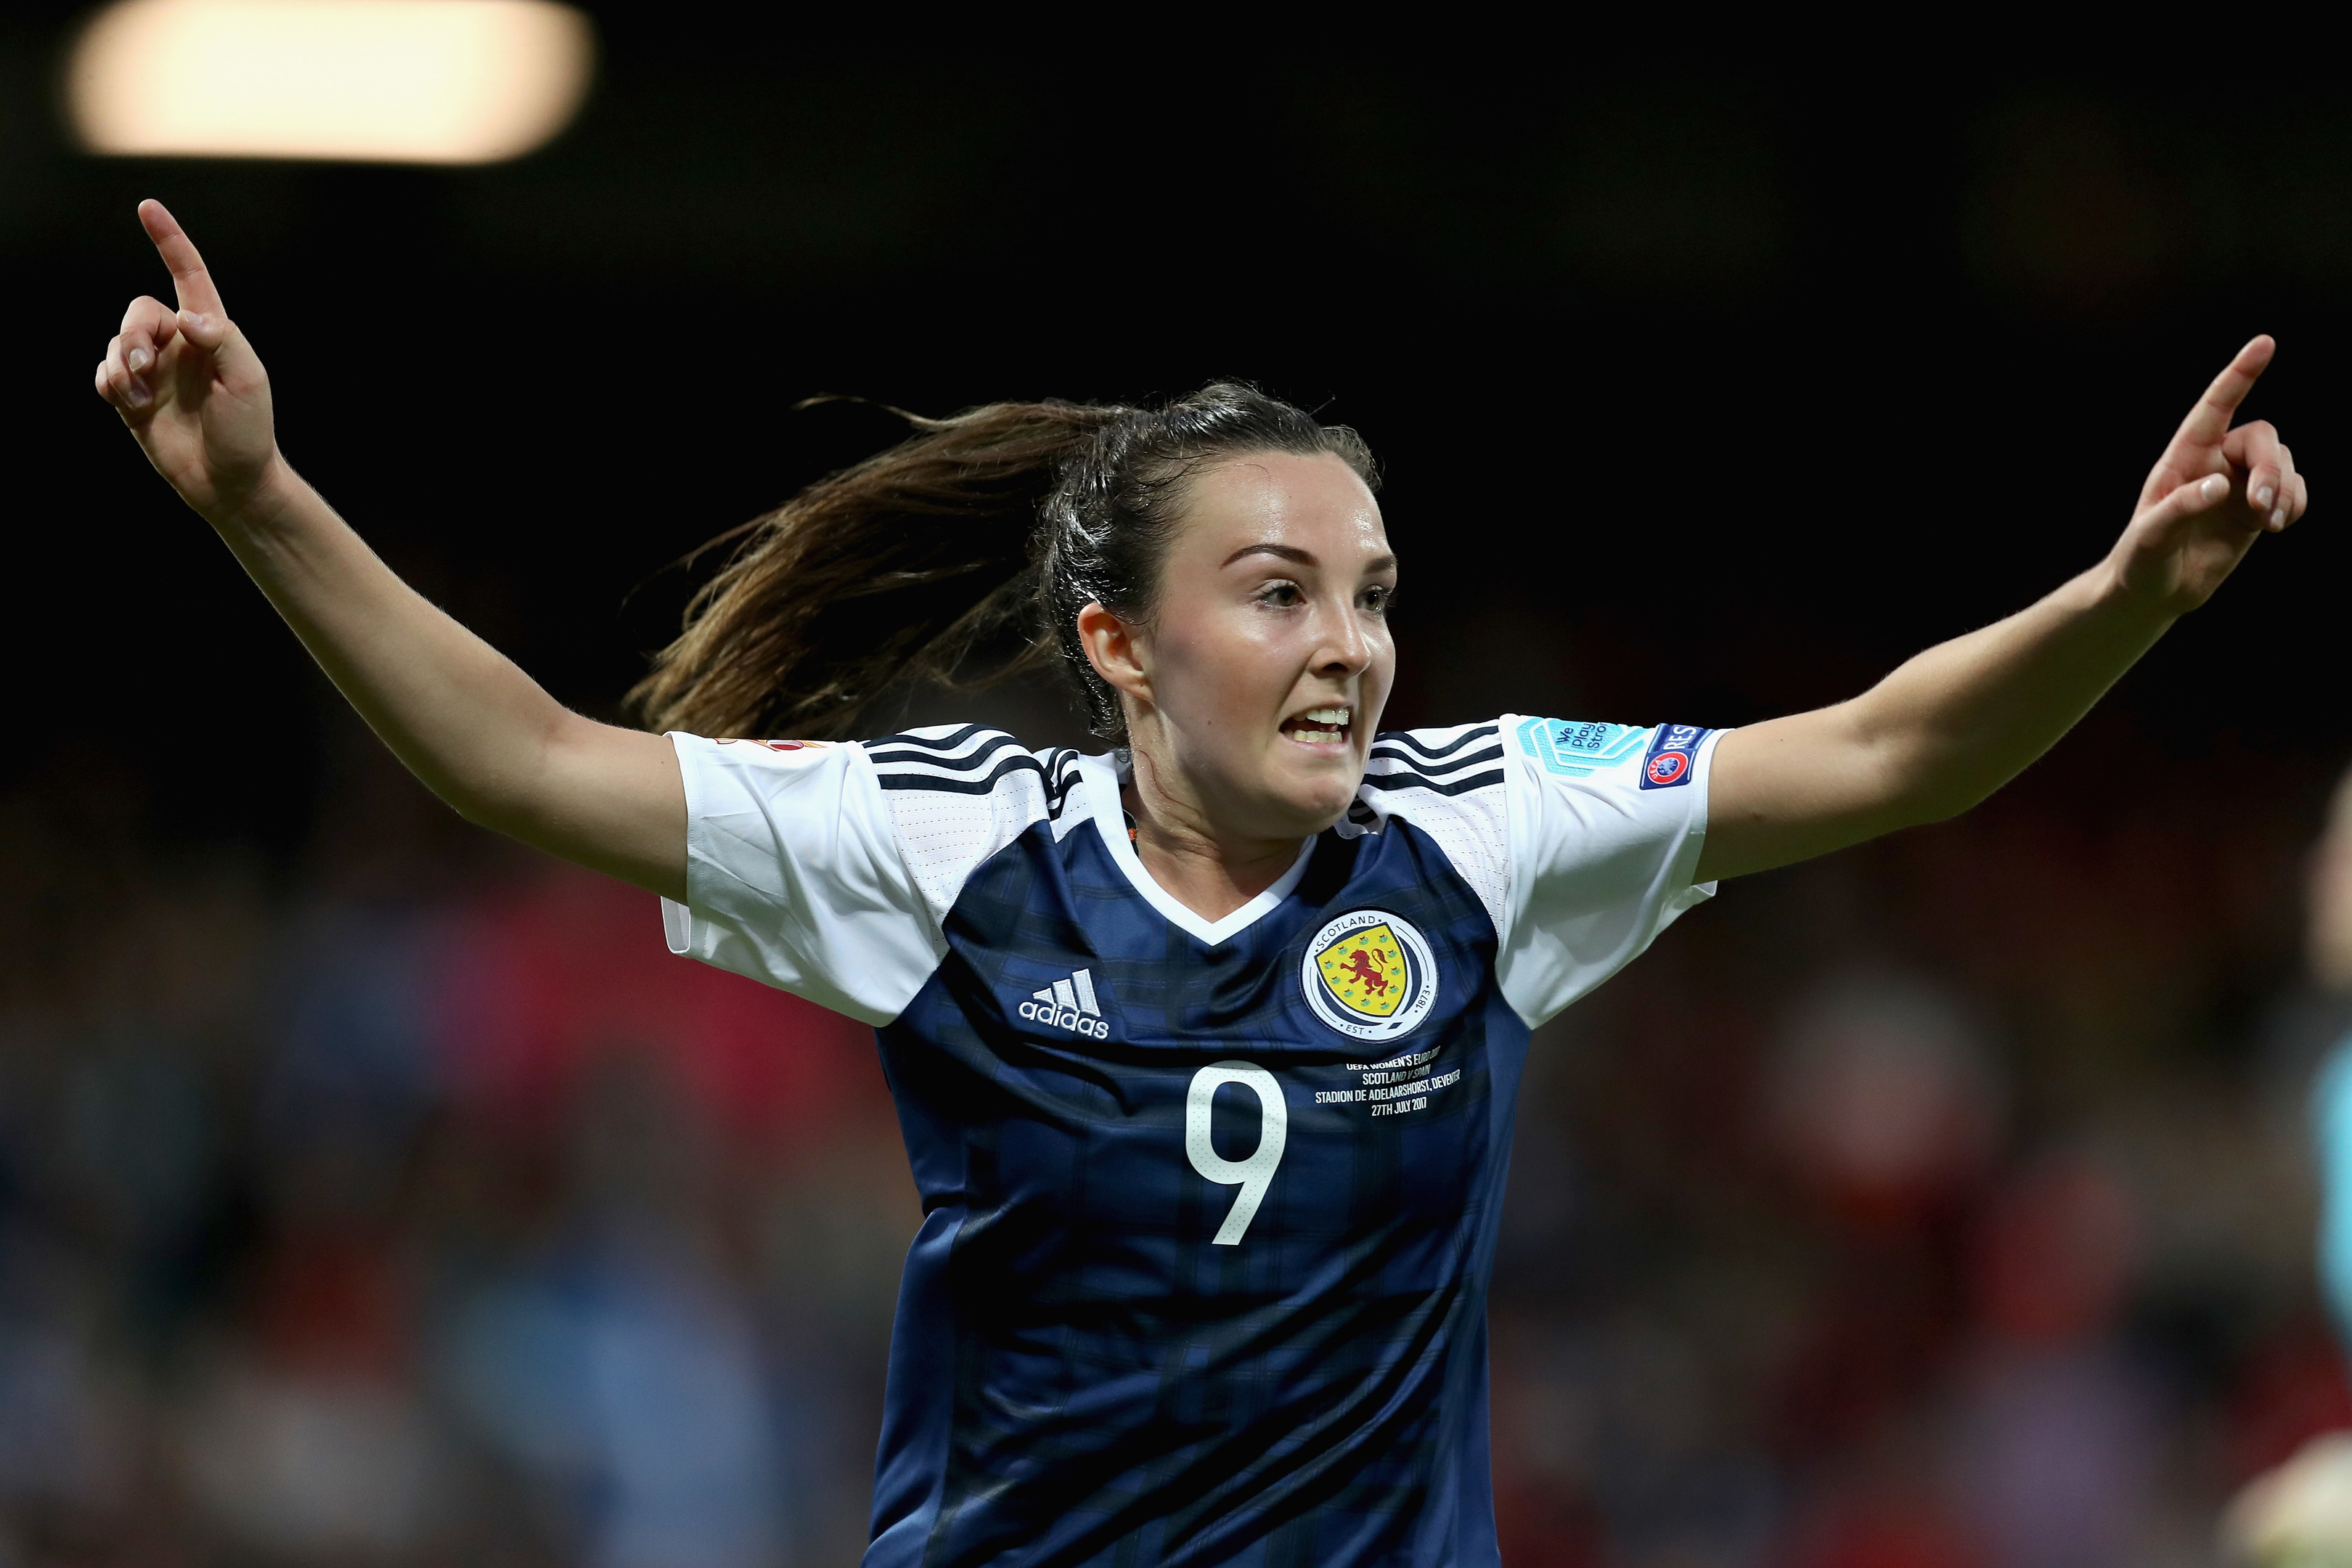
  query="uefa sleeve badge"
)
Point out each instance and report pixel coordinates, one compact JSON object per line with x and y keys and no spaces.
{"x":1370,"y":976}
{"x":1672,"y":756}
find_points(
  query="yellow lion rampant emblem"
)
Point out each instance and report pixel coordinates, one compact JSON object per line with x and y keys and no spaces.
{"x":1366,"y":971}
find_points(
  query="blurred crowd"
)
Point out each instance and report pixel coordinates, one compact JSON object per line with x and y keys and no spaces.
{"x":411,"y":1204}
{"x":392,"y":1197}
{"x":1947,"y":1204}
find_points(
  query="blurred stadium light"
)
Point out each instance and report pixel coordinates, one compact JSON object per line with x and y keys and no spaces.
{"x":410,"y":81}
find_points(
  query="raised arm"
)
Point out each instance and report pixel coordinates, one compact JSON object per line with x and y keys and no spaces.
{"x":481,"y":734}
{"x":1960,"y":720}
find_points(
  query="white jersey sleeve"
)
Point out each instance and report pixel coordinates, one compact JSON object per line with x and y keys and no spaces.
{"x":1606,"y":822}
{"x":1579,"y":839}
{"x":827,"y":869}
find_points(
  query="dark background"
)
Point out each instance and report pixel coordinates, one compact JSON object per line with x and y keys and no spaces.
{"x":1741,"y":394}
{"x":1707,"y":385}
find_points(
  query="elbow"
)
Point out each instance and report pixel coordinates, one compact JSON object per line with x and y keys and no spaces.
{"x":480,"y":809}
{"x":519,"y":813}
{"x":509,"y":793}
{"x":1928,"y":802}
{"x":1916,"y":792}
{"x":1928,"y":813}
{"x":477,"y":812}
{"x":1921,"y":776}
{"x":483,"y":802}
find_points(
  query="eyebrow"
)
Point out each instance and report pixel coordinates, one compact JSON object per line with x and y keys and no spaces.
{"x":1303,"y":557}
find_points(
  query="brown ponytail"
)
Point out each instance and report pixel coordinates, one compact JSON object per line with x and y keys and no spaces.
{"x":993,"y":527}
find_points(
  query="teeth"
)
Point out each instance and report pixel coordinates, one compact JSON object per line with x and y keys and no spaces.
{"x":1321,"y":726}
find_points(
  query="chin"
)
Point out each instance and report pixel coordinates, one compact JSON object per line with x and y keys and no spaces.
{"x":1319,"y":803}
{"x":1297,"y":796}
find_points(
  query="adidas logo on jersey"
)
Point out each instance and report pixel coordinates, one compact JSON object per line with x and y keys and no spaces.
{"x":1069,"y":1004}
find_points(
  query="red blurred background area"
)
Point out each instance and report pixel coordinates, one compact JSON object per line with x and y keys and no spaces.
{"x":547,"y":979}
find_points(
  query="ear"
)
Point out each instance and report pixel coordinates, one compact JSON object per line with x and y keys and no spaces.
{"x":1118,"y":651}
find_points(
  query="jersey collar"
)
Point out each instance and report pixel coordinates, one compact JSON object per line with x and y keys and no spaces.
{"x":1101,"y":779}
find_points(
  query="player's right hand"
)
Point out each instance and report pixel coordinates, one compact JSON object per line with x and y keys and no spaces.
{"x":189,"y":386}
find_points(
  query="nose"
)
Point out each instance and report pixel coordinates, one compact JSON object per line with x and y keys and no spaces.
{"x":1342,"y":650}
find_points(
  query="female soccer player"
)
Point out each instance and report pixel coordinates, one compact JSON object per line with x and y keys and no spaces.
{"x":1125,"y":1337}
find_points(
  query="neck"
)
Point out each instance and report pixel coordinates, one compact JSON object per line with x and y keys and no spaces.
{"x":1210,"y":872}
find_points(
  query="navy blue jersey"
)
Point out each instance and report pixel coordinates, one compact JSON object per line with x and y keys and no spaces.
{"x":1208,"y":1206}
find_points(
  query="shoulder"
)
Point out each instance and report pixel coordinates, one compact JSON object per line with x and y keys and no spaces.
{"x":1451,"y":784}
{"x":1520,"y":798}
{"x":1606,"y":824}
{"x":958,"y":794}
{"x":1448,"y":763}
{"x":971,"y":760}
{"x":1600,"y":812}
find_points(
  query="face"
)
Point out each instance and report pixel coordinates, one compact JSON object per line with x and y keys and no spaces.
{"x":1255,"y":693}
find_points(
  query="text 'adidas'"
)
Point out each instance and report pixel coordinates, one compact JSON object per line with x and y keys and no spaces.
{"x":1069,"y":1004}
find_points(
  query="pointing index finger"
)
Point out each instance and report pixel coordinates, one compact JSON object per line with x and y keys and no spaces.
{"x":2210,"y":420}
{"x":189,"y":278}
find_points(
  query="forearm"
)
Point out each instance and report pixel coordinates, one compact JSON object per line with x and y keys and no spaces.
{"x":1960,"y":719}
{"x":1944,"y":730}
{"x":469,"y":723}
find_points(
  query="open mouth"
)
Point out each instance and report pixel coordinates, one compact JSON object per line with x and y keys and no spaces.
{"x":1319,"y":726}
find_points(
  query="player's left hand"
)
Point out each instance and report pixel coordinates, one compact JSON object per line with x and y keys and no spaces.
{"x":2214,"y":491}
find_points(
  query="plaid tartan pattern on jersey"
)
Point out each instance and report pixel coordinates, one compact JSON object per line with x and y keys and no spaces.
{"x":1080,"y":1374}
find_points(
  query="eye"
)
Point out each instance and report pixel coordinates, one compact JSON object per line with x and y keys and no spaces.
{"x":1379,"y":597}
{"x":1282,"y":595}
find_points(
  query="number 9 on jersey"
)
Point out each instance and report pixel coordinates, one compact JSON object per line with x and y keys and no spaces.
{"x":1253,"y":1175}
